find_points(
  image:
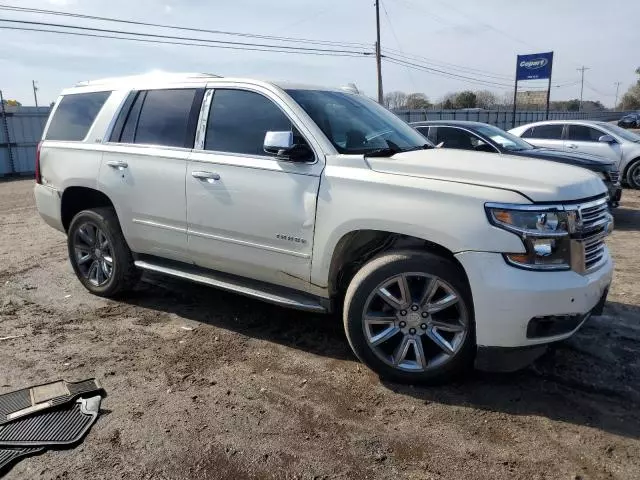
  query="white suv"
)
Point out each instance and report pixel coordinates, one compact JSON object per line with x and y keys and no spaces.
{"x":322,"y":200}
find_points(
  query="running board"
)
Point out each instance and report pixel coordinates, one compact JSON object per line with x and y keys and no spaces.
{"x":250,"y":288}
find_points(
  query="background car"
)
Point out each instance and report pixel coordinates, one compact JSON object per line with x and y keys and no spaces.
{"x":630,"y":121}
{"x":487,"y":138}
{"x":597,"y":138}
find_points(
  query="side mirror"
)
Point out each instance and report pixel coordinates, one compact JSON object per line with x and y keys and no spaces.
{"x":278,"y":143}
{"x":281,"y":145}
{"x":607,"y":139}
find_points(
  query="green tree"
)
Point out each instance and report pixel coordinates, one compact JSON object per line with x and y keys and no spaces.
{"x":573,"y":105}
{"x":631,"y":99}
{"x":417,"y":101}
{"x":466,"y":99}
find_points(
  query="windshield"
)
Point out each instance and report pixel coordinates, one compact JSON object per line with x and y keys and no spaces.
{"x":504,"y":139}
{"x":621,"y":132}
{"x":356,"y":124}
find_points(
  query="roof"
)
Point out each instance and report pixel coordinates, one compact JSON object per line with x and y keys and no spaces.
{"x":172,"y":77}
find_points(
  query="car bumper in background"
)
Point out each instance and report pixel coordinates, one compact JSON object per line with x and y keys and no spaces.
{"x":48,"y":202}
{"x":521,"y":308}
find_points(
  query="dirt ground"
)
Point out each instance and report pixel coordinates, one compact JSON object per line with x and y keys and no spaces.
{"x":248,"y":390}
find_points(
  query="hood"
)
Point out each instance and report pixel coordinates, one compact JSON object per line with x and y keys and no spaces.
{"x":585,"y":160}
{"x":539,"y":180}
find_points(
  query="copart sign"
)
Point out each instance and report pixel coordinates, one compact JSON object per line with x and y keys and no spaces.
{"x":534,"y":67}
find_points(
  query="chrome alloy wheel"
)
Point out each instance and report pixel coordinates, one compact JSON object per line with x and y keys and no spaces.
{"x":415,"y":322}
{"x":93,"y":254}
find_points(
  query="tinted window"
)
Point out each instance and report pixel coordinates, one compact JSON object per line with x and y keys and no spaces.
{"x":164,"y":117}
{"x":129,"y":130}
{"x":423,"y":130}
{"x":581,"y":133}
{"x":457,"y":138}
{"x":75,"y":115}
{"x":239,"y":120}
{"x":549,"y":132}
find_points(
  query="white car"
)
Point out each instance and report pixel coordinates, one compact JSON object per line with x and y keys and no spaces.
{"x":322,"y":200}
{"x":598,"y":138}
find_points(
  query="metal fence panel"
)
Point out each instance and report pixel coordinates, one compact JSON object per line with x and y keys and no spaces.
{"x":25,"y":126}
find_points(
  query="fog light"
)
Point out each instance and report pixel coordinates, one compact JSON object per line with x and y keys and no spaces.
{"x":543,"y":247}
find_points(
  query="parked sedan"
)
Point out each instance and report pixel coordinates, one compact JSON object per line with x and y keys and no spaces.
{"x":487,"y":138}
{"x":630,"y":121}
{"x":584,"y":136}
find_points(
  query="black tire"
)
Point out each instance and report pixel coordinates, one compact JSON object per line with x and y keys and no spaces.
{"x":124,"y":274}
{"x":633,"y":174}
{"x":377,"y":271}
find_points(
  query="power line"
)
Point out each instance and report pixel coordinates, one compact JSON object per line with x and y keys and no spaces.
{"x":191,"y":39}
{"x":393,"y":32}
{"x":176,"y":27}
{"x":143,"y":40}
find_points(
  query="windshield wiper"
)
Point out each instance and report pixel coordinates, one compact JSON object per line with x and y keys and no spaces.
{"x":389,"y":151}
{"x":382,"y":152}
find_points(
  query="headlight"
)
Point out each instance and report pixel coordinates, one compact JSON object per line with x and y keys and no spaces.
{"x":544,"y":232}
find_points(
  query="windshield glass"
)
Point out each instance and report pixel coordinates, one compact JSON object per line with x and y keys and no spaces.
{"x":505,"y":139}
{"x":621,"y":132}
{"x":356,"y":124}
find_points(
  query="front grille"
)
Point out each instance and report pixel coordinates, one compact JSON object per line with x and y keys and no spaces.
{"x":592,"y":229}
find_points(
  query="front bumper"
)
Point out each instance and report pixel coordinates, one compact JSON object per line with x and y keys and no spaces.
{"x":507,"y":299}
{"x":615,"y":194}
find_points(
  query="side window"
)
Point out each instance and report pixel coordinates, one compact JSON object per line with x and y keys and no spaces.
{"x":456,"y":138}
{"x":547,"y":132}
{"x":164,"y":117}
{"x":239,"y":120}
{"x":582,"y":133}
{"x":75,"y":115}
{"x":528,"y":133}
{"x":129,"y":129}
{"x":423,"y":130}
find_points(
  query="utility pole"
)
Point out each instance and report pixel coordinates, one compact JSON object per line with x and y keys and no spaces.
{"x":582,"y":84}
{"x":379,"y":54}
{"x":617,"y":84}
{"x":35,"y":91}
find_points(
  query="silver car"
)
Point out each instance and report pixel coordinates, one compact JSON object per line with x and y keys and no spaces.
{"x":598,"y":138}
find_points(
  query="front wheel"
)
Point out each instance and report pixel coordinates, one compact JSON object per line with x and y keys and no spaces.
{"x":633,"y":175}
{"x":99,"y":253}
{"x":409,"y":317}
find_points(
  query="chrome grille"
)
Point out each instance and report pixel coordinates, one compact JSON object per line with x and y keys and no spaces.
{"x":593,"y":222}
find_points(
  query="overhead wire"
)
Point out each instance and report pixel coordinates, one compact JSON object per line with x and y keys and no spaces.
{"x":18,"y":9}
{"x":393,"y":32}
{"x":144,"y":40}
{"x":191,"y":39}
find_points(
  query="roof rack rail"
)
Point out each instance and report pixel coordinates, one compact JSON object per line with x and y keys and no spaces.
{"x":159,"y":74}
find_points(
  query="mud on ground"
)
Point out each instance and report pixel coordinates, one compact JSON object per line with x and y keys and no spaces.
{"x":208,"y":385}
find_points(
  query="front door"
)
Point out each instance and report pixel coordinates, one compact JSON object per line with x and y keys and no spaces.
{"x":585,"y":139}
{"x":250,"y":213}
{"x":143,"y":170}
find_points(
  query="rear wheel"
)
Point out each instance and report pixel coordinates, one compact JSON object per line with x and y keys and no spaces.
{"x":99,"y":253}
{"x":633,"y":175}
{"x":409,"y":317}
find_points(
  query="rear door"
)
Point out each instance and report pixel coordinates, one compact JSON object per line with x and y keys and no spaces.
{"x":143,"y":169}
{"x":546,"y":135}
{"x":250,"y":213}
{"x":584,"y":139}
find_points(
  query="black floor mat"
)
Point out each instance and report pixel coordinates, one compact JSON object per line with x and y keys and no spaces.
{"x":10,"y":455}
{"x":28,"y":401}
{"x":61,"y":426}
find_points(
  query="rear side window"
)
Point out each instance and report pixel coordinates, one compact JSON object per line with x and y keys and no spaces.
{"x":164,"y":117}
{"x":239,"y":120}
{"x":547,"y":132}
{"x":74,"y":116}
{"x":581,"y":133}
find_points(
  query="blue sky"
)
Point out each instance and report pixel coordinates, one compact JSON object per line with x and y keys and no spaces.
{"x":483,"y":35}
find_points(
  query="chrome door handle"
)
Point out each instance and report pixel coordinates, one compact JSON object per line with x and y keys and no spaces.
{"x":206,"y":176}
{"x":117,"y":164}
{"x":572,"y":145}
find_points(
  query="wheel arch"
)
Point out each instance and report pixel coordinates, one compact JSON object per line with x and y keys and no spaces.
{"x":629,"y":164}
{"x":76,"y":198}
{"x":357,"y":247}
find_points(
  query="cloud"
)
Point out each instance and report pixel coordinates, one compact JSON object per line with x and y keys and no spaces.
{"x":61,"y":3}
{"x":168,"y":9}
